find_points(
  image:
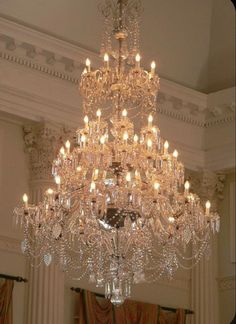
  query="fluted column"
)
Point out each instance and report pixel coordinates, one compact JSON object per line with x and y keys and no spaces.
{"x":204,"y":286}
{"x":45,"y":300}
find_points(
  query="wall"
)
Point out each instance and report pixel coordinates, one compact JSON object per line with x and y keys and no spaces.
{"x":227,"y":252}
{"x":13,"y":182}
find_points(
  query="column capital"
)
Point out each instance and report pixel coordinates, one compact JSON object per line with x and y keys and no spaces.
{"x":42,"y":142}
{"x":209,"y":185}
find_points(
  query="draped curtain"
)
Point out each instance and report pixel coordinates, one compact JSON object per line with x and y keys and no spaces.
{"x":92,"y":310}
{"x":6,"y":290}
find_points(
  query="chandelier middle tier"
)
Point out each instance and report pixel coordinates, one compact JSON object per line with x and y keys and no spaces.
{"x":121,"y":211}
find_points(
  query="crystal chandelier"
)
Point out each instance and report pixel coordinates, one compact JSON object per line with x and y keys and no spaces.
{"x":121,"y":211}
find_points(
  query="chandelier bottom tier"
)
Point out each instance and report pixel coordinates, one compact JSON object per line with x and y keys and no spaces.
{"x":120,"y":212}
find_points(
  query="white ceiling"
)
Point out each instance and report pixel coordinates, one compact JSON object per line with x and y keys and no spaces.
{"x":192,"y":41}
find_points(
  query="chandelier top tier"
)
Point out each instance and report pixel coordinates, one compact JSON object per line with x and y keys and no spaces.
{"x":121,"y":83}
{"x":121,"y":211}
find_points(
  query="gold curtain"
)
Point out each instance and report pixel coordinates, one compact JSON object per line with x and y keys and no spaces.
{"x":92,"y":310}
{"x":6,"y":290}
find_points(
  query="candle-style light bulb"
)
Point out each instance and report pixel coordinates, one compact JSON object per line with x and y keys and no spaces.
{"x":67,"y":145}
{"x":208,"y":206}
{"x":106,"y":60}
{"x":171,"y":219}
{"x":150,"y":120}
{"x":153,"y":67}
{"x":62,"y":151}
{"x":156,"y":186}
{"x":83,"y":139}
{"x":98,"y":114}
{"x":102,"y":141}
{"x":186,"y":187}
{"x":92,"y":186}
{"x":50,"y":191}
{"x":88,"y":64}
{"x":125,"y":137}
{"x":166,"y":146}
{"x":149,"y":143}
{"x":124,"y":113}
{"x":137,"y":60}
{"x":25,"y":200}
{"x":86,"y":120}
{"x":175,"y":154}
{"x":135,"y":138}
{"x":128,"y":177}
{"x":58,"y":181}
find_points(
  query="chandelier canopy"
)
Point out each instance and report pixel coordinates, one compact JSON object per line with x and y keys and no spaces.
{"x":121,"y":211}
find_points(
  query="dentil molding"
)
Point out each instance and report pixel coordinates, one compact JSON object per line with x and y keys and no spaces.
{"x":62,"y":60}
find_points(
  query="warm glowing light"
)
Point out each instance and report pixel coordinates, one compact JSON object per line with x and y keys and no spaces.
{"x":124,"y":113}
{"x":83,"y":138}
{"x":86,"y":119}
{"x":58,"y":180}
{"x":186,"y":186}
{"x":156,"y":186}
{"x":138,"y":58}
{"x":128,"y":177}
{"x":175,"y":154}
{"x":208,"y":204}
{"x":67,"y":145}
{"x":171,"y":219}
{"x":79,"y":168}
{"x":62,"y":150}
{"x":25,"y":198}
{"x":136,"y":138}
{"x":166,"y":145}
{"x":93,"y":186}
{"x":106,"y":57}
{"x":149,"y":143}
{"x":102,"y":140}
{"x":125,"y":136}
{"x":150,"y":120}
{"x":50,"y":191}
{"x":153,"y":65}
{"x":98,"y":113}
{"x":87,"y":62}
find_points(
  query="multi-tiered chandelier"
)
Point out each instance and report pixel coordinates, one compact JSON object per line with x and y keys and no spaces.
{"x":121,"y":212}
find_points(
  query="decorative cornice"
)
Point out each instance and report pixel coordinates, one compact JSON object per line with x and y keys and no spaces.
{"x":227,"y":283}
{"x":8,"y":244}
{"x":60,"y":59}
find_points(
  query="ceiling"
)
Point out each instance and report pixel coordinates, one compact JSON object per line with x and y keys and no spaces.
{"x":192,"y":41}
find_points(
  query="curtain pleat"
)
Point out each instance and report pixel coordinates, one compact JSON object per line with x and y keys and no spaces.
{"x":6,"y":290}
{"x":94,"y":310}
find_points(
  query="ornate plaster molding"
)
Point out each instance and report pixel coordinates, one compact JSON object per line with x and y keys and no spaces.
{"x":63,"y":60}
{"x":227,"y":283}
{"x":207,"y":184}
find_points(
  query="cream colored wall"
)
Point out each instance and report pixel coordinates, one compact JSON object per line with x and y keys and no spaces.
{"x":13,"y":181}
{"x":226,"y":243}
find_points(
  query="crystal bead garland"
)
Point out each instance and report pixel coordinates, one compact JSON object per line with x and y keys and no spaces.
{"x":121,"y":212}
